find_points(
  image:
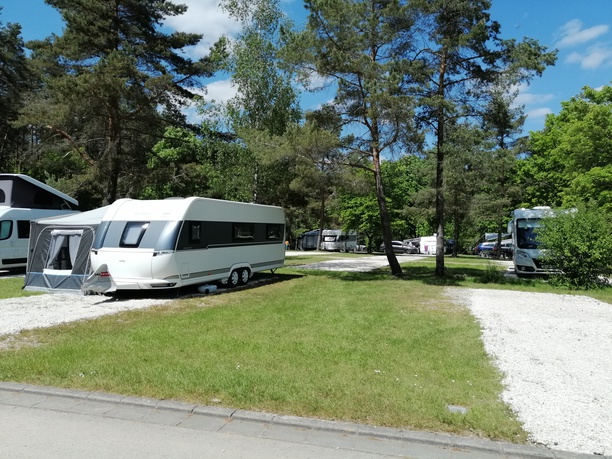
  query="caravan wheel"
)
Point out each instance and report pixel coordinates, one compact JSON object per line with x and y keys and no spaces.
{"x":244,"y":276}
{"x":233,"y":279}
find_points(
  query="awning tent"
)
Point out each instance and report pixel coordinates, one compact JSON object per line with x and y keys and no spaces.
{"x":59,"y":247}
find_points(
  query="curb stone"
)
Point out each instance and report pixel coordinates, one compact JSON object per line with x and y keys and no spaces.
{"x":502,"y":449}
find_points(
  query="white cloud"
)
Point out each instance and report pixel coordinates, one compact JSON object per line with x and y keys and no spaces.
{"x":539,"y":113}
{"x":593,"y":58}
{"x":573,"y":34}
{"x":220,"y":91}
{"x":204,"y":17}
{"x":527,"y":98}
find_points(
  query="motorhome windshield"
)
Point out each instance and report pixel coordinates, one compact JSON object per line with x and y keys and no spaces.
{"x":526,"y":233}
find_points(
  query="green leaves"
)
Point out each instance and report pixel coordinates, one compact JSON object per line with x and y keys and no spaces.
{"x":570,"y":159}
{"x":112,"y":81}
{"x":579,"y":243}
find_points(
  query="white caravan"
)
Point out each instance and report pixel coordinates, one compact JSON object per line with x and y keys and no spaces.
{"x":338,"y":241}
{"x":23,"y":199}
{"x":170,"y":243}
{"x":527,"y":249}
{"x":428,"y":245}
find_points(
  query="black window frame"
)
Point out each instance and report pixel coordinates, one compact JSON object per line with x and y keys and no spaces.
{"x":23,"y":229}
{"x":127,"y":231}
{"x":274,"y":232}
{"x":243,"y":232}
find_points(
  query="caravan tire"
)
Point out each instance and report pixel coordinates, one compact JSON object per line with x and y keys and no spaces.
{"x":234,"y":279}
{"x":244,"y":276}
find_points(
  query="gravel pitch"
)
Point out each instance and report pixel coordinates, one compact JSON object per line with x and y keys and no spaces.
{"x":17,"y":314}
{"x":555,"y":352}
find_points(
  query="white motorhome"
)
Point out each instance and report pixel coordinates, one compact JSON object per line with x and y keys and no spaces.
{"x":527,"y":249}
{"x":170,"y":243}
{"x":336,"y":240}
{"x":23,"y":199}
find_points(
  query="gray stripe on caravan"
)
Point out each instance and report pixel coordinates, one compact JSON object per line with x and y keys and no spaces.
{"x":207,"y":273}
{"x":224,"y":270}
{"x":268,"y":263}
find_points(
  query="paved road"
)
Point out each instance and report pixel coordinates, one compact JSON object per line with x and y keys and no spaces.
{"x":44,"y":422}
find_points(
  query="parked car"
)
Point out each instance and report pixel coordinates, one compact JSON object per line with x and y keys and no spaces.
{"x":400,"y":247}
{"x":485,"y":249}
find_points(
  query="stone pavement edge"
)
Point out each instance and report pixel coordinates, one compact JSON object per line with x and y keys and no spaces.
{"x":300,"y":437}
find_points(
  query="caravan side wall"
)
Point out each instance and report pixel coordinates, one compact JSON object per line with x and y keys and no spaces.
{"x":173,"y":243}
{"x":338,"y":241}
{"x":15,"y":233}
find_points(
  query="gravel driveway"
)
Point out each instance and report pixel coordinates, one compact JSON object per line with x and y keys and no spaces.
{"x":555,"y":351}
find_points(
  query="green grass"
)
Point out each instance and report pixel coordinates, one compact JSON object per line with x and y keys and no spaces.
{"x":11,"y":287}
{"x":476,"y":272}
{"x":349,"y":346}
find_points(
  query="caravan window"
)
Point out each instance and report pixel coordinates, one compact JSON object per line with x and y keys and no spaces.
{"x":195,"y":232}
{"x":23,"y":229}
{"x":6,"y":229}
{"x":133,"y":233}
{"x":244,"y":231}
{"x":274,"y":232}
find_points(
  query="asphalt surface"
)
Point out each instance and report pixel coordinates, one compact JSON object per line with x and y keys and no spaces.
{"x":47,"y":422}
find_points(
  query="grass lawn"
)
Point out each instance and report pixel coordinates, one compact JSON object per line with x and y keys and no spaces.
{"x":357,"y":347}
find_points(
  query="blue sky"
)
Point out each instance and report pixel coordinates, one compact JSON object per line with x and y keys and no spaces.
{"x":580,"y":30}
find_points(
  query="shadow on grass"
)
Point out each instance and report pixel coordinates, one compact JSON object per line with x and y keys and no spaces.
{"x":191,"y":291}
{"x":454,"y":276}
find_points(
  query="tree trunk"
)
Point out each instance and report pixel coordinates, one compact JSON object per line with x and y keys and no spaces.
{"x":440,"y":246}
{"x":114,"y":149}
{"x":321,"y":221}
{"x":396,"y":269}
{"x":440,"y":174}
{"x":456,"y":236}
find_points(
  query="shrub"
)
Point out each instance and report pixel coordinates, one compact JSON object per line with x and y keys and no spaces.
{"x":579,"y":244}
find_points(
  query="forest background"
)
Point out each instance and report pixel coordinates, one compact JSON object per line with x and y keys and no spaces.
{"x":423,"y":134}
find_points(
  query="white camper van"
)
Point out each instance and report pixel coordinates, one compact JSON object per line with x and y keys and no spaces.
{"x":23,"y":199}
{"x":170,"y":243}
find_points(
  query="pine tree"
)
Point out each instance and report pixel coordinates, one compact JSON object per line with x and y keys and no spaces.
{"x":112,"y":81}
